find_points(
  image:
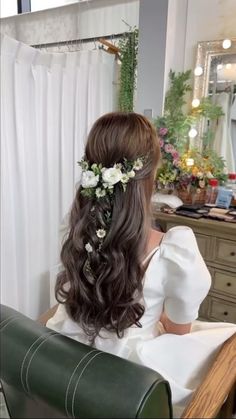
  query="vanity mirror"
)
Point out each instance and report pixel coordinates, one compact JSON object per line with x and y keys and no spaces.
{"x":215,"y":77}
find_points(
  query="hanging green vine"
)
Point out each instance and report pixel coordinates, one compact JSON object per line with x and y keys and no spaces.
{"x":128,"y":46}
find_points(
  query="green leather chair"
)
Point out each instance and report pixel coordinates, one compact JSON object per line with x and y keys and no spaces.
{"x":47,"y":375}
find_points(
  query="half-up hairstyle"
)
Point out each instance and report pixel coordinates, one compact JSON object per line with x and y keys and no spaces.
{"x":102,"y":288}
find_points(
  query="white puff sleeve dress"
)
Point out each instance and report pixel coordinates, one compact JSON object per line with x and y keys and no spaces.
{"x":178,"y":280}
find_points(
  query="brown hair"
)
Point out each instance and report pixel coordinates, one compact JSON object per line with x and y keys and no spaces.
{"x":103,"y":289}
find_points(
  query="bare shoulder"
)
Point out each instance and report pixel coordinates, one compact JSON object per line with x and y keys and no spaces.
{"x":156,"y":236}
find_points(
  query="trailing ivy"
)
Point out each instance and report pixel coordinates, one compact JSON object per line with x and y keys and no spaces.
{"x":128,"y":46}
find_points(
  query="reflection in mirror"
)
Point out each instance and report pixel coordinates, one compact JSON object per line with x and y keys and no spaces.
{"x":215,"y":77}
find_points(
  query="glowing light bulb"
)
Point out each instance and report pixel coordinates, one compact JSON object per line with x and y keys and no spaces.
{"x":220,"y":66}
{"x":189,"y":162}
{"x":228,"y":66}
{"x":195,"y":103}
{"x":226,"y":43}
{"x":192,"y":133}
{"x":198,"y":71}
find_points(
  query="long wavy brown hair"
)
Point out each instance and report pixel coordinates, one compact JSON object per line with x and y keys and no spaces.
{"x":103,"y":289}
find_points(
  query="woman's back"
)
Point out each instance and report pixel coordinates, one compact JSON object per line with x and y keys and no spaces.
{"x":110,"y":297}
{"x":176,"y":281}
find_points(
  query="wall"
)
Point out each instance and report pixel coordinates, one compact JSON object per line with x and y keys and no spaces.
{"x":75,"y":21}
{"x":208,"y":20}
{"x":151,"y":56}
{"x":176,"y":37}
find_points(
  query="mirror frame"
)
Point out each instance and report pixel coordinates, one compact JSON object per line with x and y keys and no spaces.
{"x":205,"y":51}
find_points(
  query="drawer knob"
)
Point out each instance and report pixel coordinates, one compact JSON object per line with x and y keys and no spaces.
{"x":225,"y":313}
{"x":228,"y":284}
{"x":232,"y":253}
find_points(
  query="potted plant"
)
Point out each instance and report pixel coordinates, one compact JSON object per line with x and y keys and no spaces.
{"x":186,"y":170}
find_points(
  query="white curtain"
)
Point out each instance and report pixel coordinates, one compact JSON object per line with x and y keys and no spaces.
{"x":49,"y":102}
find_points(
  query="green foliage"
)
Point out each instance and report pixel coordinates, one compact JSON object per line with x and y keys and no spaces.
{"x":128,"y":46}
{"x":175,"y":97}
{"x":173,"y":129}
{"x":207,"y":109}
{"x":178,"y":122}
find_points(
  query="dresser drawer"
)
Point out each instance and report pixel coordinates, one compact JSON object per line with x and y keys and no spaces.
{"x":225,"y":252}
{"x":224,"y":282}
{"x":204,"y":244}
{"x":221,"y":310}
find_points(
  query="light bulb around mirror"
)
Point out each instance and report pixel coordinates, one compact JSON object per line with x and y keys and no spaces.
{"x":198,"y":71}
{"x":226,"y":43}
{"x":220,"y":66}
{"x":228,"y":66}
{"x":192,"y":133}
{"x":195,"y":103}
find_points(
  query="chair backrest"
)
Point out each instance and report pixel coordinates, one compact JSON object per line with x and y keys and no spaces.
{"x":47,"y":375}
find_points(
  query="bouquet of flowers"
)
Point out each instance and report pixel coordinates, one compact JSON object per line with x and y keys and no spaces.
{"x":169,"y":171}
{"x":183,"y":168}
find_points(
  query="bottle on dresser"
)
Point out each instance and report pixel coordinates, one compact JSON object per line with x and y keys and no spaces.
{"x":211,"y":192}
{"x":231,"y":184}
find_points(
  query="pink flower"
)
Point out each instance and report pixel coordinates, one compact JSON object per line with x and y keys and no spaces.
{"x":175,"y":154}
{"x":161,"y":142}
{"x":169,"y":148}
{"x":163,"y":131}
{"x":176,"y":162}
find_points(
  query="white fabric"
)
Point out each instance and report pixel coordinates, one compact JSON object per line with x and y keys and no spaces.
{"x":177,"y":278}
{"x":49,"y":102}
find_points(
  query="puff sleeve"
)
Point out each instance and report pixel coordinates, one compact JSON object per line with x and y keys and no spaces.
{"x":186,"y":279}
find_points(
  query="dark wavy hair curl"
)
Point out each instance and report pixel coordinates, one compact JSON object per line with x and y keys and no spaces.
{"x":103,"y":289}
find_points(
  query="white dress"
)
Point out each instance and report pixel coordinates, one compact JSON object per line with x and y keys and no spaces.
{"x":176,"y":278}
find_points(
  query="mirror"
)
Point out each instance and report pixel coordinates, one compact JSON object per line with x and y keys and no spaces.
{"x":215,"y":77}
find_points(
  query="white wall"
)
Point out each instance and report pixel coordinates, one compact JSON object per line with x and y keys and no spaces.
{"x":75,"y":21}
{"x":208,"y":20}
{"x":151,"y":56}
{"x":176,"y":37}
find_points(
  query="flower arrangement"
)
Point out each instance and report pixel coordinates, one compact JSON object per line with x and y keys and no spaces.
{"x":98,"y":181}
{"x":184,"y":168}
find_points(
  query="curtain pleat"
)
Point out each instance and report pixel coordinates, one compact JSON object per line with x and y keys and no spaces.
{"x":49,"y":102}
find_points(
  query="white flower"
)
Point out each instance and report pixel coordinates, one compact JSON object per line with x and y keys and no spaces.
{"x":89,"y":179}
{"x":101,"y":233}
{"x":138,"y":164}
{"x":111,"y":176}
{"x":100,"y":192}
{"x":125,"y":178}
{"x":88,"y":247}
{"x":209,"y":175}
{"x":131,"y":173}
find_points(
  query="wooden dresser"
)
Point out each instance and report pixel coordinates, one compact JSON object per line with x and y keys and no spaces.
{"x":217,"y":244}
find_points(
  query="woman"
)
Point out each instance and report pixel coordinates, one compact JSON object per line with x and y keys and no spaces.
{"x":125,"y":288}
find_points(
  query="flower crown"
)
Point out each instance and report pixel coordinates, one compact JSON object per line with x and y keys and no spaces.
{"x":98,"y":181}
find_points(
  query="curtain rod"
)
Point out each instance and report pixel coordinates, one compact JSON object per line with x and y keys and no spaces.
{"x":78,"y":41}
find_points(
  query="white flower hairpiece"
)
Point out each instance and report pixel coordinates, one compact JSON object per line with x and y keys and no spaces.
{"x":98,"y":181}
{"x":101,"y":233}
{"x":88,"y":247}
